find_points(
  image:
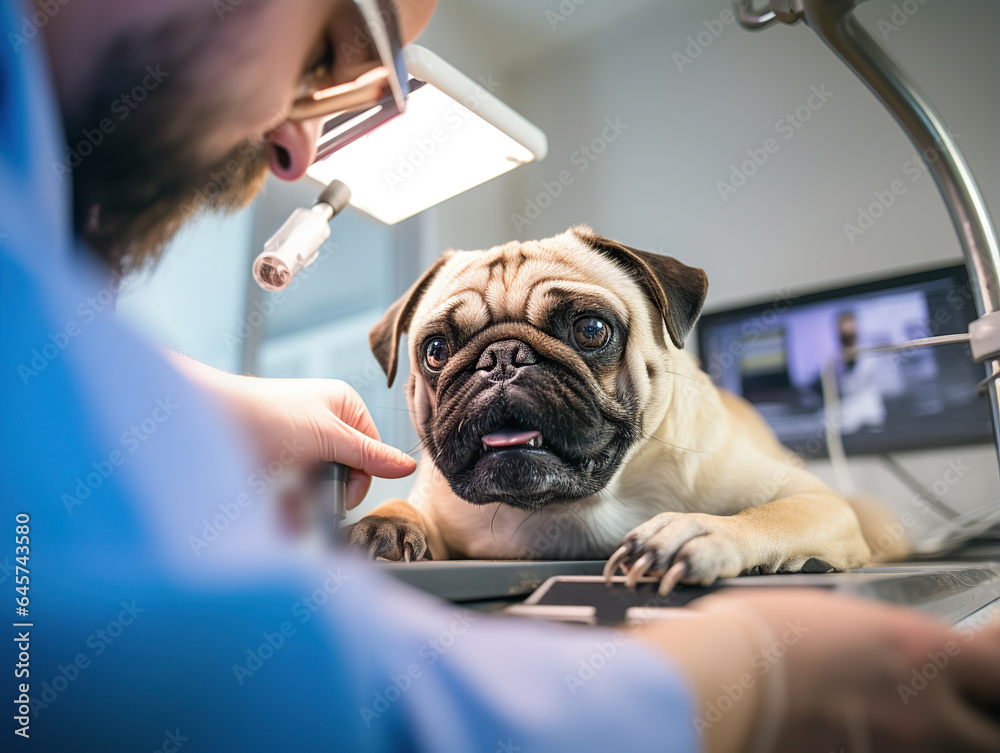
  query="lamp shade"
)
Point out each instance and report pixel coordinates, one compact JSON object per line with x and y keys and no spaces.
{"x":454,"y":135}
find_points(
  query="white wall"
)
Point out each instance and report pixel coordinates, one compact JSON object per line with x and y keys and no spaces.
{"x":197,"y":293}
{"x":654,"y":186}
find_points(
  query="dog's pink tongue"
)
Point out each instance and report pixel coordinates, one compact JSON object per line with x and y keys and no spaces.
{"x":510,"y":438}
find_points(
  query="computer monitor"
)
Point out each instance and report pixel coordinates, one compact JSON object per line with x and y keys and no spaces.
{"x":774,"y":354}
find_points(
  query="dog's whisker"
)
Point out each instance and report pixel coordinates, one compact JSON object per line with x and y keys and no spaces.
{"x":532,"y":512}
{"x":677,"y":446}
{"x":494,"y":518}
{"x":685,"y":376}
{"x":437,"y":455}
{"x":617,"y":498}
{"x":582,"y":519}
{"x":701,"y":382}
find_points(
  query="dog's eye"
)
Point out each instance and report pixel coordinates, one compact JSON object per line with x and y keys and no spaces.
{"x":591,"y":333}
{"x":437,"y":353}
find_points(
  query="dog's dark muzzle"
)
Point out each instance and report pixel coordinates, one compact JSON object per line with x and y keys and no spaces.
{"x":522,"y":429}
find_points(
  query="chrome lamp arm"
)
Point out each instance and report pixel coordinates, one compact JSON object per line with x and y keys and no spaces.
{"x":834,"y":23}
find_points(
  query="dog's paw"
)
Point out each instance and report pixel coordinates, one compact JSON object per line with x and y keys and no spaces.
{"x":693,"y":548}
{"x":391,"y":538}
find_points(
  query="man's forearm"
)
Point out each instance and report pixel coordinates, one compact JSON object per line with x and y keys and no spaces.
{"x":716,"y":652}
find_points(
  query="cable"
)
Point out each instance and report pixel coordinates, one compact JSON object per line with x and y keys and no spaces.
{"x":914,"y":483}
{"x":981,"y":387}
{"x":834,"y":437}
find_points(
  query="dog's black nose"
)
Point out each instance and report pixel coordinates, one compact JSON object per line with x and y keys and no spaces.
{"x":502,"y":359}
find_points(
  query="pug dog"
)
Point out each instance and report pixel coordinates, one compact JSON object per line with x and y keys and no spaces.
{"x":561,"y":418}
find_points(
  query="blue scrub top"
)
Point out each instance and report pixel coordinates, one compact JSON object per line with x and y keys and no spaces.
{"x":163,"y":610}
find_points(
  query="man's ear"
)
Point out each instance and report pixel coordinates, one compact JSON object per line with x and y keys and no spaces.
{"x":677,"y":290}
{"x":385,"y":335}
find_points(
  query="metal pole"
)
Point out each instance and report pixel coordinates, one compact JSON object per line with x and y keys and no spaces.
{"x":833,"y":22}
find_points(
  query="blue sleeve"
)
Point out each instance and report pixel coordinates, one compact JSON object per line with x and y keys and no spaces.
{"x":166,"y":615}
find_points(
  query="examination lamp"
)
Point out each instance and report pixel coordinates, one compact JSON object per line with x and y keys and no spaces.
{"x":453,"y":136}
{"x":392,"y":162}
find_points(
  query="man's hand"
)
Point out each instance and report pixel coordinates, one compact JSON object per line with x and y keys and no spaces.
{"x":321,"y":419}
{"x":833,"y":673}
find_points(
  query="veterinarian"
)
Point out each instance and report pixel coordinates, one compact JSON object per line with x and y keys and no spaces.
{"x":154,"y":607}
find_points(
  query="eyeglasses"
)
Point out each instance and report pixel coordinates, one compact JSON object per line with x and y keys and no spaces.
{"x":365,"y":83}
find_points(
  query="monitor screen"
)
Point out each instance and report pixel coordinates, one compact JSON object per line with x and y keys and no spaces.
{"x":774,"y":354}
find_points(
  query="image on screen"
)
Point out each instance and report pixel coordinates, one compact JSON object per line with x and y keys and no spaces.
{"x":774,"y":354}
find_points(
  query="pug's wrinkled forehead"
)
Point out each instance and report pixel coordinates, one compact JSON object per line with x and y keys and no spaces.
{"x":470,"y":291}
{"x":523,"y":282}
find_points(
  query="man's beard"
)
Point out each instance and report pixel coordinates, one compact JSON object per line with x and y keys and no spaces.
{"x":145,"y":179}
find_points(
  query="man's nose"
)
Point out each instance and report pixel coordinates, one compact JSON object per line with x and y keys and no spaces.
{"x":292,"y":148}
{"x":503,"y":359}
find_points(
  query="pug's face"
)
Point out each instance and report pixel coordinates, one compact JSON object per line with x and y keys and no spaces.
{"x":534,"y":366}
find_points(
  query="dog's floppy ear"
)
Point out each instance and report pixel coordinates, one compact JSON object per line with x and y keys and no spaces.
{"x":677,"y":290}
{"x":384,"y":336}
